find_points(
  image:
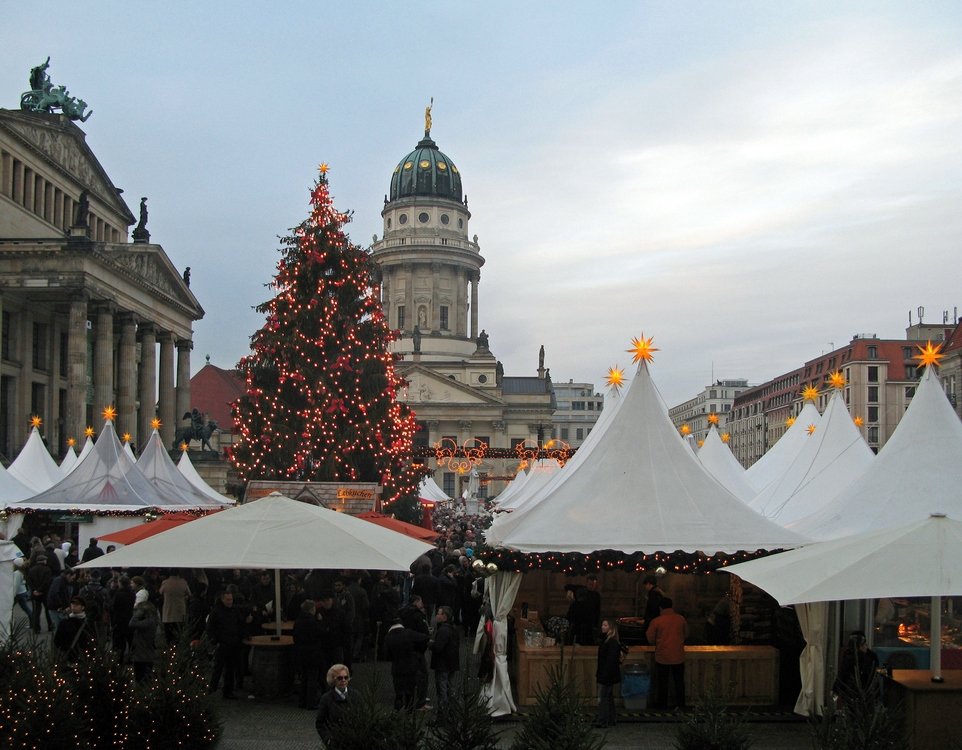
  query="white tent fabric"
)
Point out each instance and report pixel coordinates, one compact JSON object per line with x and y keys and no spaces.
{"x":780,"y":456}
{"x":12,"y":491}
{"x":833,"y":457}
{"x":692,"y":443}
{"x":274,"y":532}
{"x":8,"y":553}
{"x":429,"y":490}
{"x":532,"y":496}
{"x":539,"y":477}
{"x":34,"y":468}
{"x":186,"y":467}
{"x":640,"y":489}
{"x":813,"y":620}
{"x":917,"y":472}
{"x":501,"y":590}
{"x":155,"y":464}
{"x":69,"y":461}
{"x":722,"y":464}
{"x":519,"y":481}
{"x":84,"y":452}
{"x":105,"y":480}
{"x":129,"y":451}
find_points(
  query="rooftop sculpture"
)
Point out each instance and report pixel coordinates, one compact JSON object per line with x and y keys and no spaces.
{"x":45,"y":97}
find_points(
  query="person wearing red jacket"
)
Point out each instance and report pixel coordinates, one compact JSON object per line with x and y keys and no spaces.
{"x":667,"y":633}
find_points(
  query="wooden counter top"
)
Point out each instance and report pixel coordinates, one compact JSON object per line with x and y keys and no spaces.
{"x":920,"y":680}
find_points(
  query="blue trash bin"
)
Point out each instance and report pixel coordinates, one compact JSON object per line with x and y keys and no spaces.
{"x":635,"y":686}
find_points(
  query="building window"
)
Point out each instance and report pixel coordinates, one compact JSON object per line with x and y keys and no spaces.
{"x":873,"y":394}
{"x":64,"y":349}
{"x":910,"y":392}
{"x":873,"y":352}
{"x":907,"y":352}
{"x":873,"y":434}
{"x":448,"y":480}
{"x":62,"y":411}
{"x":873,"y":374}
{"x":39,"y":346}
{"x":580,"y":433}
{"x":38,"y":399}
{"x":515,"y":442}
{"x":591,"y":405}
{"x":873,"y":414}
{"x":486,"y":439}
{"x":5,"y":333}
{"x":713,"y":394}
{"x":564,"y":433}
{"x":400,"y":316}
{"x":482,"y":491}
{"x":6,"y":388}
{"x":402,"y":219}
{"x":423,"y":217}
{"x":577,"y":405}
{"x":712,"y":409}
{"x":444,"y":317}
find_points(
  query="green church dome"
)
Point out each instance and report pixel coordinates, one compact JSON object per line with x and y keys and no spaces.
{"x":428,"y":172}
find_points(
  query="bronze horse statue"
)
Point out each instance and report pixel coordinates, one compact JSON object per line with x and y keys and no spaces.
{"x":195,"y":431}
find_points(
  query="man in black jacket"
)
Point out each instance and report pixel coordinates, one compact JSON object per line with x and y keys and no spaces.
{"x":402,"y":647}
{"x":308,"y":657}
{"x":225,"y":628}
{"x":425,"y":585}
{"x":446,"y":657}
{"x":121,"y":612}
{"x":414,"y":618}
{"x":653,"y":604}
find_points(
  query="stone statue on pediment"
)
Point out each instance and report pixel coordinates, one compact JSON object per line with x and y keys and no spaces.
{"x":140,"y":233}
{"x":416,"y":336}
{"x":483,"y":340}
{"x":83,"y":209}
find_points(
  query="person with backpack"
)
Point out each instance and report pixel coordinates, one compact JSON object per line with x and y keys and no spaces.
{"x":96,"y":597}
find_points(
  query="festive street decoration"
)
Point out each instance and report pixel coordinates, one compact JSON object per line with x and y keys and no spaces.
{"x":810,"y":393}
{"x":685,"y":430}
{"x":929,"y":355}
{"x":110,"y":413}
{"x":713,"y":419}
{"x":811,"y":429}
{"x":89,"y":432}
{"x":858,"y":421}
{"x":461,"y":458}
{"x":321,"y":401}
{"x":615,"y":378}
{"x":641,"y":349}
{"x":790,"y":421}
{"x":837,"y":380}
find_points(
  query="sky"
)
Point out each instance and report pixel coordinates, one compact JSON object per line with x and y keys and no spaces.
{"x":747,"y":182}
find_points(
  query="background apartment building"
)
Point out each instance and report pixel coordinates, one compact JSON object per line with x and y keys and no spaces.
{"x":578,"y":408}
{"x":715,"y":399}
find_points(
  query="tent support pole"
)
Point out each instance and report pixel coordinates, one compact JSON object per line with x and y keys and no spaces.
{"x":935,"y":639}
{"x":277,"y":601}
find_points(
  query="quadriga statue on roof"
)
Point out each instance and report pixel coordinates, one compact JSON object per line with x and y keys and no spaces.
{"x":45,"y":97}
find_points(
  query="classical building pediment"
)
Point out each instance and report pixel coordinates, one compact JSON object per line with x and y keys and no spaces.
{"x":62,"y":144}
{"x":429,"y":387}
{"x":151,"y":266}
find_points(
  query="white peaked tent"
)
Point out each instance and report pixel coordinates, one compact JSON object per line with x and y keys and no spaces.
{"x":155,"y":464}
{"x":833,"y":457}
{"x":129,"y":451}
{"x":429,"y":490}
{"x":186,"y":467}
{"x":692,"y":443}
{"x":531,"y":496}
{"x":519,"y":481}
{"x":13,"y":494}
{"x":722,"y":464}
{"x":780,"y":456}
{"x":84,"y":452}
{"x":69,"y":461}
{"x":34,"y":468}
{"x":655,"y":494}
{"x":538,"y":479}
{"x":917,"y":473}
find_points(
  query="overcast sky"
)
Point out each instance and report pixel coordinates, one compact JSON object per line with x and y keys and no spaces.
{"x":746,"y":182}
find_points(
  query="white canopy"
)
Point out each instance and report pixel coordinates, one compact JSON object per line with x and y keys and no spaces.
{"x":12,"y":492}
{"x":69,"y":460}
{"x":129,"y":451}
{"x":84,"y":452}
{"x":155,"y":464}
{"x":722,"y":464}
{"x":106,"y":480}
{"x":918,"y":472}
{"x":186,"y":467}
{"x":519,"y":481}
{"x":780,"y":456}
{"x":429,"y":490}
{"x":834,"y":455}
{"x":34,"y":468}
{"x":539,"y":477}
{"x":274,"y":532}
{"x":640,"y":489}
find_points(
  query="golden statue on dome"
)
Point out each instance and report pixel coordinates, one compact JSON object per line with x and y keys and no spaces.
{"x":427,"y":118}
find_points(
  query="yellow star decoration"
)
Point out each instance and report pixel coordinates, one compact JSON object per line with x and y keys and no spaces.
{"x":701,"y":443}
{"x":110,"y":413}
{"x":811,"y":429}
{"x":71,"y":442}
{"x":616,"y":377}
{"x":930,"y":355}
{"x":184,"y":446}
{"x":858,"y":421}
{"x":323,"y":168}
{"x":155,"y":424}
{"x":790,"y":421}
{"x":725,"y":437}
{"x":126,"y":437}
{"x":35,"y":421}
{"x":837,"y":380}
{"x":713,"y":419}
{"x":89,"y":432}
{"x":685,"y":430}
{"x":642,"y":349}
{"x":810,"y":393}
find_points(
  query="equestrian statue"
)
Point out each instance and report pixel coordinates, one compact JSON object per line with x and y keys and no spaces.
{"x":196,"y":430}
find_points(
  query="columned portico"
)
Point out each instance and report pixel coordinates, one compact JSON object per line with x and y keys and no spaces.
{"x":475,"y":277}
{"x":127,"y":376}
{"x":76,"y":417}
{"x":104,"y":359}
{"x":147,"y":387}
{"x":184,"y":347}
{"x":166,"y":401}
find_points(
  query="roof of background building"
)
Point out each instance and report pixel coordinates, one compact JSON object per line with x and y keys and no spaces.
{"x":213,"y":390}
{"x":426,"y":171}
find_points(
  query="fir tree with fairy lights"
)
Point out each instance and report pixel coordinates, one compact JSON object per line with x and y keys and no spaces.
{"x":321,"y":402}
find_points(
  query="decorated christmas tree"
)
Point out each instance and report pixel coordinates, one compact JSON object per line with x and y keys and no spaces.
{"x":321,"y":401}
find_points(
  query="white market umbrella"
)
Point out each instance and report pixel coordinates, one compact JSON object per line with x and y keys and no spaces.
{"x":921,"y":558}
{"x":276,"y":533}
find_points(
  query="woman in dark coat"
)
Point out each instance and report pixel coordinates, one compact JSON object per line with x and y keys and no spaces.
{"x":609,"y":672}
{"x":143,"y":650}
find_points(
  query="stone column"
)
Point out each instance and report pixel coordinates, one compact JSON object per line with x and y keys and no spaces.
{"x":166,"y":399}
{"x":386,"y":304}
{"x":147,"y":386}
{"x":465,"y":425}
{"x":23,"y":400}
{"x":460,"y":321}
{"x":433,"y":434}
{"x":475,"y":278}
{"x":127,"y":377}
{"x":104,"y":360}
{"x":435,"y":297}
{"x":76,"y":416}
{"x":183,"y":377}
{"x":409,"y":312}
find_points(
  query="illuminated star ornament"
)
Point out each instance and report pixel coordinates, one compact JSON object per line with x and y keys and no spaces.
{"x":725,"y":437}
{"x":790,"y":421}
{"x":929,"y":355}
{"x":713,"y":419}
{"x":126,"y":437}
{"x":642,"y":349}
{"x":701,"y":443}
{"x":685,"y":430}
{"x":184,"y":446}
{"x":89,"y":432}
{"x":615,"y":378}
{"x":323,"y":168}
{"x":811,"y":429}
{"x":110,"y":413}
{"x":810,"y":393}
{"x":35,"y":421}
{"x":155,"y":424}
{"x":71,"y":442}
{"x":837,"y":380}
{"x":858,"y":421}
